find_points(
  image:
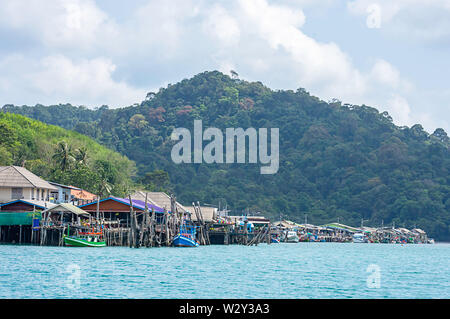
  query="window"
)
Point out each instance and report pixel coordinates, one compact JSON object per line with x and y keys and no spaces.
{"x":16,"y":193}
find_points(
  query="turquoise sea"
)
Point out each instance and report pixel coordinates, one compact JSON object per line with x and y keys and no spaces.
{"x":303,"y":270}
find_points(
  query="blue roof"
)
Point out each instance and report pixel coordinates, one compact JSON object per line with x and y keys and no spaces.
{"x":29,"y":202}
{"x":136,"y":204}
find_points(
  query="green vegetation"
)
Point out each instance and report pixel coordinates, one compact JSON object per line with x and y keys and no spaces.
{"x":62,"y":156}
{"x":337,"y":161}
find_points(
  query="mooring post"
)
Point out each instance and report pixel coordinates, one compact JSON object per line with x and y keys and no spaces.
{"x":166,"y":225}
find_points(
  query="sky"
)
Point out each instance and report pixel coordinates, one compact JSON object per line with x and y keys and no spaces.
{"x":389,"y":54}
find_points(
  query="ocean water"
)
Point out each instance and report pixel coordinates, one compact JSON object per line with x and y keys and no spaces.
{"x":303,"y":270}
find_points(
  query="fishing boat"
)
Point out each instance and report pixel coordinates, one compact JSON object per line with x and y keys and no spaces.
{"x":85,"y":239}
{"x":292,"y":237}
{"x":360,"y":238}
{"x":186,"y":237}
{"x":274,"y":239}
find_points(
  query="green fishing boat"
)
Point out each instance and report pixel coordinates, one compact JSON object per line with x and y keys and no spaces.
{"x":85,"y":239}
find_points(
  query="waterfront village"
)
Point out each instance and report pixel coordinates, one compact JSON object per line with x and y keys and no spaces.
{"x":39,"y":212}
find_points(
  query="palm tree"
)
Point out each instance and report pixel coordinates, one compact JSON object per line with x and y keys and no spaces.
{"x":81,"y":156}
{"x":104,"y":187}
{"x":63,"y":155}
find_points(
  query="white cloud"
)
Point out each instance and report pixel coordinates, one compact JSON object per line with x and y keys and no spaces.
{"x":385,"y":73}
{"x":322,"y":68}
{"x":58,"y":24}
{"x":58,"y":79}
{"x":400,"y":110}
{"x":221,"y":25}
{"x":321,"y":65}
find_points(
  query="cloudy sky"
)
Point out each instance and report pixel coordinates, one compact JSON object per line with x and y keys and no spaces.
{"x":390,"y":54}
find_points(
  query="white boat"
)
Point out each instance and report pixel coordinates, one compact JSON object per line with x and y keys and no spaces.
{"x":360,"y":238}
{"x":291,"y":237}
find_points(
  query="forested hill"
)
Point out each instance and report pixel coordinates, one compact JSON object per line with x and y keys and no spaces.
{"x":63,"y":156}
{"x":337,"y":161}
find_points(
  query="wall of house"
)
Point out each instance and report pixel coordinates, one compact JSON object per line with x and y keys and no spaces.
{"x":5,"y":194}
{"x":36,"y":194}
{"x":27,"y":193}
{"x":62,"y":195}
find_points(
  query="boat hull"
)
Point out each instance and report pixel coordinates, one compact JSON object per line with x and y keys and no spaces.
{"x":80,"y":242}
{"x":182,"y":241}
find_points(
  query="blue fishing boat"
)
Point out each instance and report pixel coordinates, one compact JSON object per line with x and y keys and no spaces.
{"x":274,"y":239}
{"x":186,"y":237}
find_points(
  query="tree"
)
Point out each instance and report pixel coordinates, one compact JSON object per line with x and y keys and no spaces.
{"x":150,"y":96}
{"x":104,"y":188}
{"x":156,"y":180}
{"x":156,"y":114}
{"x":81,"y":156}
{"x":7,"y":135}
{"x":441,"y":135}
{"x":106,"y":171}
{"x":5,"y":157}
{"x":137,"y":122}
{"x":63,"y":155}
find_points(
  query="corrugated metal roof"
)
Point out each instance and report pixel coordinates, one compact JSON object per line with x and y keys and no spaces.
{"x":67,"y":208}
{"x":15,"y":176}
{"x":63,"y":186}
{"x":160,"y":199}
{"x":208,"y":213}
{"x":136,"y":203}
{"x":82,"y":194}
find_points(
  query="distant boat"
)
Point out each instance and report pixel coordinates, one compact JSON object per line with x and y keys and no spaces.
{"x":186,"y":237}
{"x":292,"y":237}
{"x":360,"y":238}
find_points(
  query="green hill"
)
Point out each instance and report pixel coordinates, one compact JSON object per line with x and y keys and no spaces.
{"x":336,"y":161}
{"x":62,"y":156}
